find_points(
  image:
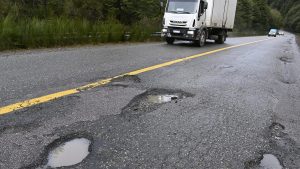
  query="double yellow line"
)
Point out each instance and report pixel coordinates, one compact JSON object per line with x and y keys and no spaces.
{"x":43,"y":99}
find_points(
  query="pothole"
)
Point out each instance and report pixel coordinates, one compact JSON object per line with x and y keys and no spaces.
{"x":69,"y":153}
{"x":151,"y":100}
{"x":277,"y":130}
{"x":125,"y":81}
{"x":270,"y":161}
{"x":288,"y":78}
{"x":277,"y":126}
{"x":287,"y":81}
{"x":286,"y":59}
{"x":225,"y":66}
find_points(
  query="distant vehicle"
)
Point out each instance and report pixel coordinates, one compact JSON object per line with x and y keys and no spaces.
{"x":198,"y":20}
{"x":273,"y":32}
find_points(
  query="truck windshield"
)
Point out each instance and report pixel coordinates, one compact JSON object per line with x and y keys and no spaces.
{"x":182,"y":6}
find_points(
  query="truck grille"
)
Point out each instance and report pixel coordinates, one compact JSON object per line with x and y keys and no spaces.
{"x":178,"y":23}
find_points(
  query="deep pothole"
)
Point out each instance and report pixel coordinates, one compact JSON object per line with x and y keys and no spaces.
{"x":68,"y":153}
{"x":270,"y":161}
{"x":265,"y":161}
{"x":151,"y":100}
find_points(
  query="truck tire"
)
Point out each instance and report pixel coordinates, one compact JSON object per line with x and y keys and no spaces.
{"x":170,"y":41}
{"x":202,"y":38}
{"x":221,"y":39}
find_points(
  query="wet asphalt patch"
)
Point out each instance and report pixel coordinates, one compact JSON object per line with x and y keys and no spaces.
{"x":151,"y":100}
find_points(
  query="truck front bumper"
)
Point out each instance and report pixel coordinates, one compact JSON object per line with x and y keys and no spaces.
{"x":180,"y":33}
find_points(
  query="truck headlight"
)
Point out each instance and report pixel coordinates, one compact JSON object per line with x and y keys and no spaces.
{"x":190,"y":32}
{"x":164,"y":30}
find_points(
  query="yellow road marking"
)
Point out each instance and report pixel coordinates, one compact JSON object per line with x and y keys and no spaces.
{"x":47,"y":98}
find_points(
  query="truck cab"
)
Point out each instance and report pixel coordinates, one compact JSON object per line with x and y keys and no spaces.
{"x":197,"y":20}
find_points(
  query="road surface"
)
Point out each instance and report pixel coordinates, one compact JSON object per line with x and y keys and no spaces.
{"x":179,"y":106}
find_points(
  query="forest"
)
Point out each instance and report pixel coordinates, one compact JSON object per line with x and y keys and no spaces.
{"x":47,"y":23}
{"x":290,"y":9}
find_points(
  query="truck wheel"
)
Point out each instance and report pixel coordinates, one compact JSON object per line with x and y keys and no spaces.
{"x":170,"y":41}
{"x":202,"y":38}
{"x":221,"y":39}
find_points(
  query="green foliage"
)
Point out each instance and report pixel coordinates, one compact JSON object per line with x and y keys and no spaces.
{"x":276,"y":18}
{"x":290,"y":9}
{"x":292,"y":19}
{"x":61,"y":31}
{"x":256,"y":15}
{"x":46,"y":23}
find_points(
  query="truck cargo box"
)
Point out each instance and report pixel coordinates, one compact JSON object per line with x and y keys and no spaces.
{"x":221,"y":13}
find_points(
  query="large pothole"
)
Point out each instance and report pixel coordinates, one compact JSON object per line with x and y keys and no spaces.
{"x":270,"y":161}
{"x":265,"y":161}
{"x":151,"y":100}
{"x":69,"y":152}
{"x":282,"y":151}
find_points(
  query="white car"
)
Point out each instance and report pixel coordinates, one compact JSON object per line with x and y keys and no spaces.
{"x":273,"y":32}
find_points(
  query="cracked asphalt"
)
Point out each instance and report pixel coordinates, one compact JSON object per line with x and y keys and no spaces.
{"x":232,"y":106}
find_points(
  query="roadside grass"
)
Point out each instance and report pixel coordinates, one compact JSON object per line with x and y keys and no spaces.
{"x":36,"y":33}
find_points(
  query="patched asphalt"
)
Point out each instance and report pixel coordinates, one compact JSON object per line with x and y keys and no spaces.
{"x":226,"y":110}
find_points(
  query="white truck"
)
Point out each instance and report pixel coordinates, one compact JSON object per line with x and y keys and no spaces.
{"x":198,"y":20}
